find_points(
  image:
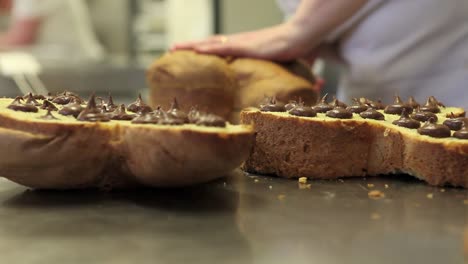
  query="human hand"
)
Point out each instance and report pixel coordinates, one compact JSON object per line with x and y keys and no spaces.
{"x":280,"y":43}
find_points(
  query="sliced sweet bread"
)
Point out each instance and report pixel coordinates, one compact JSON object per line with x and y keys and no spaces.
{"x":330,"y":141}
{"x":43,"y":148}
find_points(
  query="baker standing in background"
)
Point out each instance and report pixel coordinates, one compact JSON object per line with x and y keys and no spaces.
{"x":410,"y":47}
{"x":60,"y":28}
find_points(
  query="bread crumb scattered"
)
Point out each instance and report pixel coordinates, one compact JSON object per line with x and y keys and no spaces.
{"x":303,"y":186}
{"x":417,"y":205}
{"x":430,"y":195}
{"x":303,"y":180}
{"x":341,"y":180}
{"x":256,"y":180}
{"x":370,"y":185}
{"x":281,"y":197}
{"x":376,"y":194}
{"x":386,"y":132}
{"x":375,"y":216}
{"x":386,"y":186}
{"x":442,"y":190}
{"x":271,"y":187}
{"x":465,"y":202}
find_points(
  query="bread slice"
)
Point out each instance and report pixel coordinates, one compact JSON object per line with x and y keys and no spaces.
{"x":66,"y":153}
{"x":326,"y":148}
{"x":226,"y":85}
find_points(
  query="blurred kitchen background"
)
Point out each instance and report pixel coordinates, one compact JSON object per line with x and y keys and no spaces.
{"x":125,"y":36}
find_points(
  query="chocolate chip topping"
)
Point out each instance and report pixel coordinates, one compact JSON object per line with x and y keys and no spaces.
{"x":357,"y":107}
{"x":66,"y":97}
{"x":432,"y":105}
{"x":397,"y":107}
{"x":374,"y":104}
{"x":272,"y":105}
{"x":372,"y":113}
{"x":110,"y":104}
{"x":290,"y":105}
{"x":193,"y":115}
{"x":146,"y":118}
{"x":430,"y":128}
{"x":423,"y":116}
{"x":301,"y":110}
{"x":454,"y":123}
{"x":47,"y":105}
{"x":36,"y":96}
{"x":16,"y":105}
{"x":120,"y":113}
{"x":462,"y":133}
{"x":339,"y":112}
{"x":412,"y":102}
{"x":322,"y":106}
{"x":48,"y":116}
{"x":211,"y":120}
{"x":72,"y":109}
{"x":30,"y":100}
{"x":406,"y":121}
{"x":139,"y":106}
{"x":335,"y":102}
{"x":91,"y":113}
{"x":175,"y":113}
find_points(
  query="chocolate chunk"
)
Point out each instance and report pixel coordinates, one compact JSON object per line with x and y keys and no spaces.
{"x":120,"y":113}
{"x":48,"y":116}
{"x":357,"y":107}
{"x":175,"y":113}
{"x":47,"y":105}
{"x":397,"y":107}
{"x":91,"y":113}
{"x":301,"y":110}
{"x":30,"y":100}
{"x":430,"y":128}
{"x":139,"y":106}
{"x":432,"y":105}
{"x":374,"y":104}
{"x":290,"y":105}
{"x":322,"y":106}
{"x":412,"y":102}
{"x":272,"y":105}
{"x":211,"y":120}
{"x":194,"y":115}
{"x":66,"y":97}
{"x":462,"y":133}
{"x":146,"y":118}
{"x":372,"y":113}
{"x":406,"y":121}
{"x":16,"y":105}
{"x":72,"y":109}
{"x":36,"y":96}
{"x":335,"y":102}
{"x":423,"y":116}
{"x":339,"y":112}
{"x":454,"y":123}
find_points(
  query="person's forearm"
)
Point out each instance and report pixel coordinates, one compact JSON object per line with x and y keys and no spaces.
{"x":315,"y":19}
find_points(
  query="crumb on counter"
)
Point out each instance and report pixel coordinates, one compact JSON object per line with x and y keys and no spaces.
{"x":303,"y":180}
{"x":442,"y":190}
{"x":256,"y":180}
{"x":430,"y":195}
{"x":465,"y":202}
{"x":370,"y":185}
{"x":271,"y":187}
{"x":303,"y":186}
{"x":281,"y":197}
{"x":386,"y":186}
{"x":376,"y":194}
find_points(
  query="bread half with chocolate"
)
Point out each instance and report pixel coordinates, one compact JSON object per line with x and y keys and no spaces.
{"x":102,"y":145}
{"x":331,"y":140}
{"x":227,"y":85}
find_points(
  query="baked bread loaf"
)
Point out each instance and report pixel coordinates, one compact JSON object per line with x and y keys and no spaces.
{"x":68,"y":147}
{"x":226,"y":85}
{"x":327,"y":143}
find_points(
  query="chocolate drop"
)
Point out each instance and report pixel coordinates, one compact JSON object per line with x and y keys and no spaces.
{"x":47,"y":105}
{"x":272,"y":105}
{"x":430,"y":128}
{"x":337,"y":102}
{"x":146,"y":118}
{"x":412,"y":102}
{"x":339,"y":112}
{"x":462,"y":133}
{"x":301,"y":110}
{"x":397,"y":107}
{"x":357,"y":107}
{"x":30,"y":100}
{"x":290,"y":105}
{"x":48,"y":116}
{"x":91,"y":113}
{"x":406,"y":121}
{"x":120,"y":113}
{"x":16,"y":105}
{"x":454,"y":123}
{"x":110,"y":104}
{"x":175,"y":113}
{"x":423,"y":116}
{"x":139,"y":106}
{"x":72,"y":109}
{"x":36,"y":96}
{"x":322,"y":106}
{"x":372,"y":113}
{"x":432,"y":105}
{"x":194,"y":115}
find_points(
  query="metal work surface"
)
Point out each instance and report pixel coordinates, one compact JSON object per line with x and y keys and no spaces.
{"x":239,"y":219}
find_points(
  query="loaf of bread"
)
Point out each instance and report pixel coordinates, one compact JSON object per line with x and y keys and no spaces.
{"x":87,"y":146}
{"x":226,"y":85}
{"x":330,"y":141}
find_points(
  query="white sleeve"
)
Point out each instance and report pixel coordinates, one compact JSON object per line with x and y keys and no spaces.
{"x":34,"y":8}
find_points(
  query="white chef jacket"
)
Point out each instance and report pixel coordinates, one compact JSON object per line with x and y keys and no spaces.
{"x":409,"y":47}
{"x":66,"y":29}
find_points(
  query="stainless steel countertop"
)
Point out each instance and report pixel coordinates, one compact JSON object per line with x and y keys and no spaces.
{"x":239,"y":219}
